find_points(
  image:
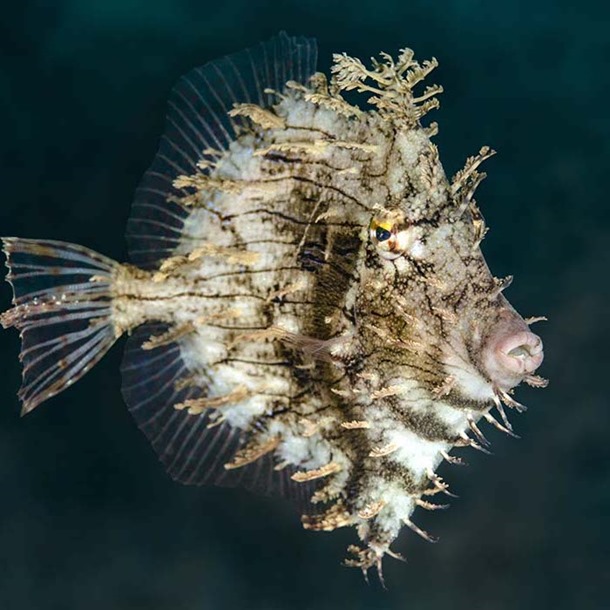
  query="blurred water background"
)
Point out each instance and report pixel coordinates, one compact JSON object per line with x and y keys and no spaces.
{"x":88,"y":518}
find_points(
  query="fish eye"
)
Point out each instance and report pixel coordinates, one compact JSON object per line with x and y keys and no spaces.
{"x":382,"y":234}
{"x":389,"y":236}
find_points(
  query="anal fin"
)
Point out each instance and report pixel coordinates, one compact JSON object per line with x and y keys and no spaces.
{"x":194,"y":445}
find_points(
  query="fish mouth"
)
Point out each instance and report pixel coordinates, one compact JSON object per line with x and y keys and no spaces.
{"x":512,"y":353}
{"x":521,"y":354}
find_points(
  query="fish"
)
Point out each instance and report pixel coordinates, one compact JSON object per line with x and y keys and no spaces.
{"x":308,"y":309}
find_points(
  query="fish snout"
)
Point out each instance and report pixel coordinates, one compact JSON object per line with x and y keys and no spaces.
{"x":521,"y":353}
{"x":511,"y":354}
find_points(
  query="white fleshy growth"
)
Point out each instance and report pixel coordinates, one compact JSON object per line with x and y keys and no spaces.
{"x":418,"y":454}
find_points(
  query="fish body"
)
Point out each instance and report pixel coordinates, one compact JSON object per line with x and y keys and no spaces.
{"x":309,"y":308}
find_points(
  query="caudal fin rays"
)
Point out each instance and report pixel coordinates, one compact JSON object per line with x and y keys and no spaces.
{"x":62,"y":309}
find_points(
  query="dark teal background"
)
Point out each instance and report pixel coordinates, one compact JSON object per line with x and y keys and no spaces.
{"x":89,"y":520}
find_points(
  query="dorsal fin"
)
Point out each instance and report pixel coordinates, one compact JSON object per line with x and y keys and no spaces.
{"x":197,"y":121}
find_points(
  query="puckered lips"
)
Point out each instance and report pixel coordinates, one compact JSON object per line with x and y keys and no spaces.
{"x":511,"y":352}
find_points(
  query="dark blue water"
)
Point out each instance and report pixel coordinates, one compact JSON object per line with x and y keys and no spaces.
{"x":88,"y":519}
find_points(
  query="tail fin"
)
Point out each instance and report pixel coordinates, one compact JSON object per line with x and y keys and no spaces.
{"x":62,"y":308}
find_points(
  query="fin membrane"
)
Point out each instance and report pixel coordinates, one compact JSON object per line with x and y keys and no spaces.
{"x":197,"y":121}
{"x":193,"y":448}
{"x":62,"y":308}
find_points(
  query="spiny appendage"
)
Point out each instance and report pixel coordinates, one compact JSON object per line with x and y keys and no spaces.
{"x":376,"y":543}
{"x":391,"y":83}
{"x":209,"y":181}
{"x":334,"y":517}
{"x":264,"y":117}
{"x":503,"y":398}
{"x":321,"y":95}
{"x":463,"y":186}
{"x":196,"y":406}
{"x":339,"y":510}
{"x":253,"y":450}
{"x":536,"y":381}
{"x":188,"y":193}
{"x":178,"y":331}
{"x":376,"y":538}
{"x":183,"y":263}
{"x":372,"y":553}
{"x":316,"y":473}
{"x":202,"y":183}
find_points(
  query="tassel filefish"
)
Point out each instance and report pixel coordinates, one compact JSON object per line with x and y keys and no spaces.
{"x":308,"y":308}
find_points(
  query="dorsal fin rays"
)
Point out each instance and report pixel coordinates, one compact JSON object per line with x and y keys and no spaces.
{"x":197,"y":123}
{"x":193,"y":446}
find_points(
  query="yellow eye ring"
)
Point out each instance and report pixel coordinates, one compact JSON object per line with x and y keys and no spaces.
{"x":382,"y":234}
{"x":387,"y":240}
{"x":381,"y":230}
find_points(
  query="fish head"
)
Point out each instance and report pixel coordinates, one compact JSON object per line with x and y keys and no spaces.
{"x":436,"y":279}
